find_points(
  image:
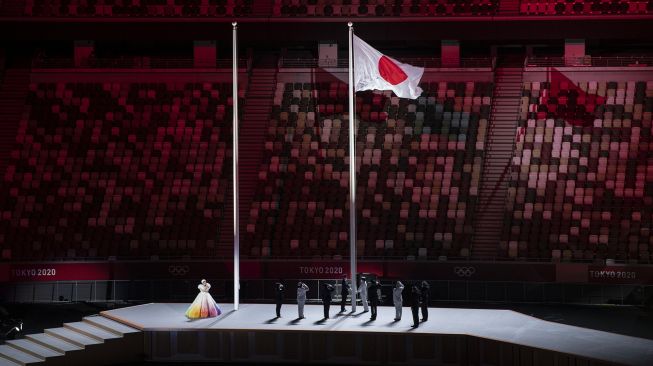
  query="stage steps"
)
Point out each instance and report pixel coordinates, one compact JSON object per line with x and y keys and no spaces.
{"x":87,"y":342}
{"x":55,"y":343}
{"x":253,"y":127}
{"x":13,"y":93}
{"x":34,"y":349}
{"x":496,"y":165}
{"x":16,"y":356}
{"x":91,"y":331}
{"x":72,"y":336}
{"x":110,"y":325}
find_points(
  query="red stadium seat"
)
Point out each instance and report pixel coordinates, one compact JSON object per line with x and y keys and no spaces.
{"x":133,"y":182}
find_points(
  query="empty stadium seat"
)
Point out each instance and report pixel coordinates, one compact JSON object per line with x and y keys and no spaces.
{"x":418,"y":171}
{"x":138,"y":8}
{"x":581,"y":172}
{"x":584,"y":7}
{"x":117,"y":169}
{"x":376,"y":8}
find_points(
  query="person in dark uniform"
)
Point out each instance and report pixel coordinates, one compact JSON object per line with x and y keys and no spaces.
{"x":278,"y":296}
{"x":375,"y":297}
{"x":327,"y":289}
{"x":414,"y":304}
{"x":344,"y":292}
{"x":425,"y":294}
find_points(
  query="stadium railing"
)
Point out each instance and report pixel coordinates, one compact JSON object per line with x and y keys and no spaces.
{"x":595,"y":61}
{"x":136,"y":62}
{"x":428,"y":62}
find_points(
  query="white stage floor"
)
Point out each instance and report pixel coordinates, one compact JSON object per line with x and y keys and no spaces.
{"x":501,"y":325}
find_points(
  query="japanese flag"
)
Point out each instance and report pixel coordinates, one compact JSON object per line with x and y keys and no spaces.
{"x":376,"y":71}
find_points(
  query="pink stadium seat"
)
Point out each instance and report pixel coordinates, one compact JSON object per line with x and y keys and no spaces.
{"x":585,"y":203}
{"x":396,"y":174}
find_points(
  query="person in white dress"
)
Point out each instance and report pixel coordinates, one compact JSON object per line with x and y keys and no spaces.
{"x":397,"y":299}
{"x":204,"y":306}
{"x":302,"y":288}
{"x":362,"y":290}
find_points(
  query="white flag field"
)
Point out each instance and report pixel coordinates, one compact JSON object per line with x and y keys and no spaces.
{"x":376,"y":71}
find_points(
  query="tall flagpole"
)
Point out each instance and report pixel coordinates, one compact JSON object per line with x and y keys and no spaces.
{"x":235,"y":169}
{"x":352,"y":171}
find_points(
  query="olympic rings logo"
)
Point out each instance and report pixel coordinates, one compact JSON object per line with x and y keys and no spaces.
{"x":178,"y":270}
{"x":464,"y":271}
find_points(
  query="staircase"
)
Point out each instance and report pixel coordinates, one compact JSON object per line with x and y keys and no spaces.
{"x":509,"y":7}
{"x":13,"y":92}
{"x":95,"y":340}
{"x":253,"y":128}
{"x":497,"y":162}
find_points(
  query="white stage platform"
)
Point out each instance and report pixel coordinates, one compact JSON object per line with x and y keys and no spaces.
{"x":497,"y":325}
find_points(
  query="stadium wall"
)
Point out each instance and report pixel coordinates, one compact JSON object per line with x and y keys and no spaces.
{"x":477,"y":282}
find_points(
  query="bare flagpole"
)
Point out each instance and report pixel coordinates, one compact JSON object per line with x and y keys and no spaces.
{"x":235,"y":168}
{"x":352,"y":171}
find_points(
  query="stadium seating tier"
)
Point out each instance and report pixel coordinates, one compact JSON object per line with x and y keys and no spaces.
{"x":418,"y":170}
{"x":582,"y":173}
{"x":117,"y":169}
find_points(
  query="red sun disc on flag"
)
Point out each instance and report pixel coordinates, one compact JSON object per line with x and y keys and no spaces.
{"x":390,"y":71}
